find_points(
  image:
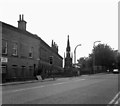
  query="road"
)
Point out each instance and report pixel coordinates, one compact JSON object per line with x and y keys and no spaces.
{"x":91,"y":89}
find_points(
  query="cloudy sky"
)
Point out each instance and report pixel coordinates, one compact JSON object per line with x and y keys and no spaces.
{"x":85,"y":21}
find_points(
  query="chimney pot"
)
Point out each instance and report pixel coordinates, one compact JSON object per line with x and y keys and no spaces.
{"x":19,"y":17}
{"x":22,"y":17}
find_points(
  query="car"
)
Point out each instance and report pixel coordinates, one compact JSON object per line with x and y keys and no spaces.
{"x":116,"y":71}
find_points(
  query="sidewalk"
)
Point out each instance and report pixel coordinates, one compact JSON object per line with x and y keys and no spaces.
{"x":23,"y":82}
{"x":47,"y":79}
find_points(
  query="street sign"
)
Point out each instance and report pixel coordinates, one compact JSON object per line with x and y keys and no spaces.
{"x":3,"y":59}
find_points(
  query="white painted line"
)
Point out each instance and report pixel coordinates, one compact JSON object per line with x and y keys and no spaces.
{"x":59,"y":83}
{"x":28,"y":88}
{"x":85,"y":75}
{"x":23,"y":89}
{"x":118,"y":101}
{"x":40,"y":86}
{"x":113,"y":100}
{"x":67,"y":82}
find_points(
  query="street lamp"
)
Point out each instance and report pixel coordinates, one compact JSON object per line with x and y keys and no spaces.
{"x":94,"y":56}
{"x":75,"y":53}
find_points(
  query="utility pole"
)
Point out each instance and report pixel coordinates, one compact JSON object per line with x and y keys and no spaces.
{"x":75,"y":53}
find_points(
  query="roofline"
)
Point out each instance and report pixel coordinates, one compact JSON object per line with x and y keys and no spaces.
{"x":21,"y":31}
{"x":29,"y":34}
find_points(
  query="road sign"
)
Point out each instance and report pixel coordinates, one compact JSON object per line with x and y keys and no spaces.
{"x":3,"y":59}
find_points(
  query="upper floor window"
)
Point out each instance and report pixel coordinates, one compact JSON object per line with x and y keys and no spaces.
{"x":51,"y":59}
{"x":15,"y":47}
{"x":31,"y":52}
{"x":4,"y":47}
{"x":30,"y":68}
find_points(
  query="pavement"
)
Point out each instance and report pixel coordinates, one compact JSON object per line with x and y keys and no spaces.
{"x":23,"y":82}
{"x":40,"y":80}
{"x":31,"y":81}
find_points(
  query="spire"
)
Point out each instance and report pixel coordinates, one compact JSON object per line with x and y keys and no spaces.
{"x":68,"y":45}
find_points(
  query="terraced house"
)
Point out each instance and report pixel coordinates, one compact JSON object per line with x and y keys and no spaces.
{"x":25,"y":55}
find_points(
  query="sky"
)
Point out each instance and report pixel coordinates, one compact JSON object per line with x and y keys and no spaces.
{"x":85,"y":21}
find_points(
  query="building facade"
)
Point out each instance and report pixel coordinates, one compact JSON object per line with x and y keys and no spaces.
{"x":25,"y":55}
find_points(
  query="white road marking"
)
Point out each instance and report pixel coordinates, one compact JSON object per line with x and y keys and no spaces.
{"x":23,"y":89}
{"x":113,"y":100}
{"x":59,"y":83}
{"x":118,"y":101}
{"x":40,"y":86}
{"x":67,"y":82}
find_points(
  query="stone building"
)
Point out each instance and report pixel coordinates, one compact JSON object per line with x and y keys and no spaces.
{"x":25,"y":55}
{"x":68,"y":59}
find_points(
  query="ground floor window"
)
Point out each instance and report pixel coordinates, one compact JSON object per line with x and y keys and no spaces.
{"x":4,"y":68}
{"x":30,"y":70}
{"x":15,"y":68}
{"x":23,"y":71}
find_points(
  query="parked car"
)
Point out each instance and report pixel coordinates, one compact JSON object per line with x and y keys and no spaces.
{"x":116,"y":71}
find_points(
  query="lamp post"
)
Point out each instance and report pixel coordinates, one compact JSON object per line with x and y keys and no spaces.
{"x":75,"y":53}
{"x":94,"y":55}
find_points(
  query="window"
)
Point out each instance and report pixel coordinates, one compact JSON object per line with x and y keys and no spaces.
{"x":14,"y":68}
{"x":23,"y":68}
{"x":30,"y":68}
{"x":31,"y":52}
{"x":51,"y":59}
{"x":4,"y":68}
{"x":14,"y":49}
{"x":4,"y":47}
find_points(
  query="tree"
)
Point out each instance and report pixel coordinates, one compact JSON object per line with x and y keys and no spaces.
{"x":85,"y":64}
{"x":82,"y":62}
{"x":104,"y":56}
{"x":118,"y":60}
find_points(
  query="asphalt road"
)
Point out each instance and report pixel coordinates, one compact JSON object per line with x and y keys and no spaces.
{"x":91,"y":89}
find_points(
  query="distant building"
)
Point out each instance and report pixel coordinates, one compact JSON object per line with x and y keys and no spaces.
{"x":68,"y":59}
{"x":25,"y":55}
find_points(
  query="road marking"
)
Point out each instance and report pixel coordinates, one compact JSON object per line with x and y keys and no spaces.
{"x":59,"y":83}
{"x":40,"y":86}
{"x":67,"y":82}
{"x":85,"y":75}
{"x":24,"y":89}
{"x":115,"y":99}
{"x":118,"y":101}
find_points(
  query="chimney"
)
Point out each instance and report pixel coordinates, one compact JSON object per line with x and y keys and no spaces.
{"x":22,"y":23}
{"x":52,"y":44}
{"x":22,"y":17}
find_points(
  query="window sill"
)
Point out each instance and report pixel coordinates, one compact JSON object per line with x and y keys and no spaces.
{"x":4,"y":54}
{"x":14,"y":55}
{"x":24,"y":57}
{"x":30,"y":57}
